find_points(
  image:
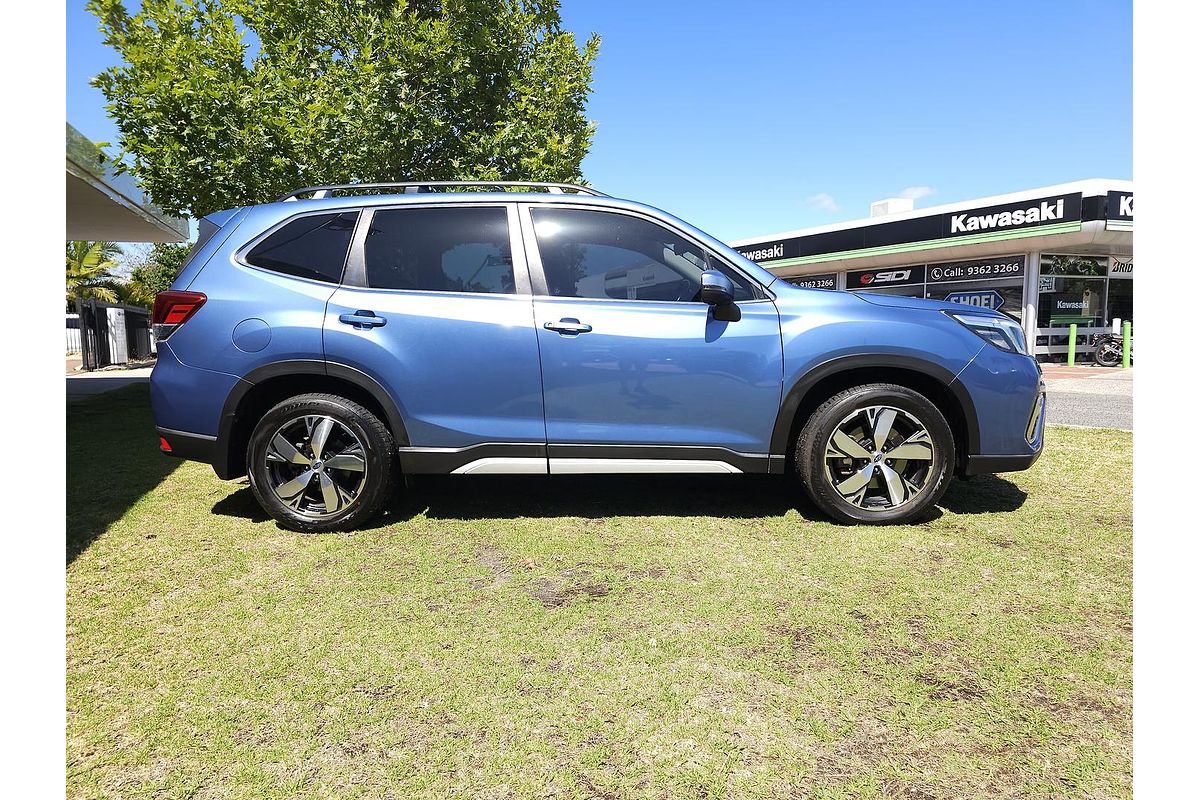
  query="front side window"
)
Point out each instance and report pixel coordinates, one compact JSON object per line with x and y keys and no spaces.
{"x":440,"y":250}
{"x":312,"y":246}
{"x":603,"y":255}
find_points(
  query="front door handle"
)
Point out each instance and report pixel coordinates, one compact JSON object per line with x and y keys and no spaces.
{"x":568,"y":326}
{"x":362,"y":320}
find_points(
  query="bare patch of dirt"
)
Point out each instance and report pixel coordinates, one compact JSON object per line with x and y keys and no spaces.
{"x":494,"y":560}
{"x":800,"y":638}
{"x":857,"y":754}
{"x":870,"y":626}
{"x":945,"y":688}
{"x":554,"y":591}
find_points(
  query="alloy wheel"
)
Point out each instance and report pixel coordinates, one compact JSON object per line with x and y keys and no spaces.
{"x":316,"y":465}
{"x":879,"y":458}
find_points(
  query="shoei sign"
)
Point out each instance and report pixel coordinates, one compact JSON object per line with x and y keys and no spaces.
{"x":985,"y":299}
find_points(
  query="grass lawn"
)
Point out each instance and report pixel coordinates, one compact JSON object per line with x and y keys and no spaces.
{"x":601,"y":637}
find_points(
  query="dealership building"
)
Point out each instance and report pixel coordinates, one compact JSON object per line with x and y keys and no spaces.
{"x":1049,"y":257}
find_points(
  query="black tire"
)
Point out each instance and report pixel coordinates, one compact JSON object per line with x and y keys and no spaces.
{"x":375,"y":444}
{"x":1108,"y":354}
{"x":811,"y":466}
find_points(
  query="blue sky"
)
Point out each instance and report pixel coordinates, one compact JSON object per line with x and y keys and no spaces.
{"x":763,"y":116}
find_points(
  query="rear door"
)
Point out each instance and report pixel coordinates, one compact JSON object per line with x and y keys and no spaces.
{"x":436,"y":308}
{"x":638,"y":375}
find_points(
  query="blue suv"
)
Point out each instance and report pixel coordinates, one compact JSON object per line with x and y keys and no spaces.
{"x":322,"y":343}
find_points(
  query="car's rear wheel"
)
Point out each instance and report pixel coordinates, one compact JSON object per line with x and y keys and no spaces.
{"x":875,"y":454}
{"x":319,"y":462}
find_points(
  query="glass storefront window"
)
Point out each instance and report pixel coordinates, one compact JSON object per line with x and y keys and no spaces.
{"x":1120,"y":300}
{"x":1071,"y":289}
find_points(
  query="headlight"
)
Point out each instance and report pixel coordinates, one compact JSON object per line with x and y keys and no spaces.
{"x":1003,"y":332}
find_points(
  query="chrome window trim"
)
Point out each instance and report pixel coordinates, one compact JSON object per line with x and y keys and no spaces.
{"x":683,"y":303}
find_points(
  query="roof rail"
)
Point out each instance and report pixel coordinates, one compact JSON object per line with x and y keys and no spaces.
{"x":416,"y":187}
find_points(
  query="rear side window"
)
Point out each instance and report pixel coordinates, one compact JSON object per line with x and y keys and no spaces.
{"x":313,"y":247}
{"x":440,"y":250}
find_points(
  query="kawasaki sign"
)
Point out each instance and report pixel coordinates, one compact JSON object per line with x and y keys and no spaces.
{"x":1046,"y":211}
{"x":1054,"y":213}
{"x":1014,"y":216}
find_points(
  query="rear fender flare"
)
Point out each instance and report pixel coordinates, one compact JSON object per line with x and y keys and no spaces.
{"x":355,"y":377}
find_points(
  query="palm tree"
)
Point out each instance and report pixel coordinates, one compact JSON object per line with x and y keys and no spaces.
{"x":89,"y":275}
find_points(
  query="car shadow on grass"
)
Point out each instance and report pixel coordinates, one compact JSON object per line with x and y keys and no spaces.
{"x":112,"y":462}
{"x":599,"y":496}
{"x":983,"y":494}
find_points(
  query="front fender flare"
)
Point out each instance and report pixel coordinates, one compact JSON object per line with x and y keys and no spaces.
{"x":781,"y":435}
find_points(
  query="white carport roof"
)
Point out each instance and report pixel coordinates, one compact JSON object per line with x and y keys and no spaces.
{"x":104,"y":206}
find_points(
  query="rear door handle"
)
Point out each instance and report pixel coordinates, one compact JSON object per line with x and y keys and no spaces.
{"x":362,"y":320}
{"x":568,"y":326}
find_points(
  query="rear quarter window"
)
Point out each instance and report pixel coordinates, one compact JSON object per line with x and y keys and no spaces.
{"x":313,"y":246}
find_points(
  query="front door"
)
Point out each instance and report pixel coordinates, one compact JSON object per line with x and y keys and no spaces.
{"x":637,"y":373}
{"x":435,"y":310}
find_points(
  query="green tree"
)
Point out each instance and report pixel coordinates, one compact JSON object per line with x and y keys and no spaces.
{"x":89,"y":271}
{"x":222,"y":103}
{"x":156,"y":273}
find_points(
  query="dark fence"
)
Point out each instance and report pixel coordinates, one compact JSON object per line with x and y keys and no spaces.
{"x":103,"y":344}
{"x":137,"y":332}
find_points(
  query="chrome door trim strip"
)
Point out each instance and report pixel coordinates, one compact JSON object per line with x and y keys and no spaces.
{"x":503,"y":466}
{"x":593,"y":466}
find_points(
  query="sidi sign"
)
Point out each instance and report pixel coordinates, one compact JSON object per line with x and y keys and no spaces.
{"x":881,"y":278}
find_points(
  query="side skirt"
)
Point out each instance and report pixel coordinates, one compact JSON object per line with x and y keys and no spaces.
{"x":579,"y":459}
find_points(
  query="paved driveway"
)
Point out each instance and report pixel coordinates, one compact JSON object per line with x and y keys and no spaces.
{"x":1094,"y":397}
{"x":86,"y":384}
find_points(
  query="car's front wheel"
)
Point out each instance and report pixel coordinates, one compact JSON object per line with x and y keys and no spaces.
{"x":319,"y":462}
{"x":875,"y":454}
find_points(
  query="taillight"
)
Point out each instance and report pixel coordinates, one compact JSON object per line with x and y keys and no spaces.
{"x":172,"y":309}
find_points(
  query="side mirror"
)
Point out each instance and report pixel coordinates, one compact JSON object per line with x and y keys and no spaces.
{"x":715,"y":288}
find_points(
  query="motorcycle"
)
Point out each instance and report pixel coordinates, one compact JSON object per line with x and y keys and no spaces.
{"x":1109,"y":349}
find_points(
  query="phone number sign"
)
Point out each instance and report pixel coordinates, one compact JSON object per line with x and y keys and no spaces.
{"x":1007,"y":267}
